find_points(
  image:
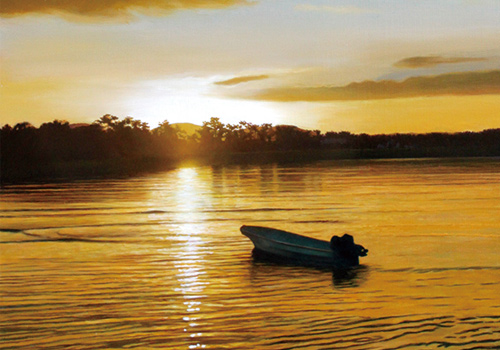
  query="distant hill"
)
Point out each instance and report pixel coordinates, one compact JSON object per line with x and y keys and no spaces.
{"x":188,"y":128}
{"x":78,"y":125}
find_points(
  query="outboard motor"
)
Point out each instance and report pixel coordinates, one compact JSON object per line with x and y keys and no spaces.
{"x":346,"y":247}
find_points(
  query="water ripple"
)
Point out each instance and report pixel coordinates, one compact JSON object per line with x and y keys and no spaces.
{"x":158,"y":262}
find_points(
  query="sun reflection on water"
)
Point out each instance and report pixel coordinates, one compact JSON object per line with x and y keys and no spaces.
{"x":190,"y":255}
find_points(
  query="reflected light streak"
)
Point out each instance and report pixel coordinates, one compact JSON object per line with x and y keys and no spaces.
{"x":190,"y":259}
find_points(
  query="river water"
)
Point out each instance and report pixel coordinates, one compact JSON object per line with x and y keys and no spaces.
{"x":157,"y":261}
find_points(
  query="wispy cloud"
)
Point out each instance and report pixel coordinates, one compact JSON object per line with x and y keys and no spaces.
{"x":333,"y":9}
{"x":102,"y":9}
{"x":469,"y":83}
{"x":243,"y":79}
{"x":431,"y":61}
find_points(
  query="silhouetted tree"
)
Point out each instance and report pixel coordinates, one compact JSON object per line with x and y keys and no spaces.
{"x":170,"y":140}
{"x":55,"y":141}
{"x":212,"y":135}
{"x":107,"y":122}
{"x":293,"y":138}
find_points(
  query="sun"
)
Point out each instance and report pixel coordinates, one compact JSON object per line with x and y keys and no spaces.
{"x":190,"y":100}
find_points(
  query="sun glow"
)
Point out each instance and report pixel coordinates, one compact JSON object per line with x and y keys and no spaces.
{"x":188,"y":99}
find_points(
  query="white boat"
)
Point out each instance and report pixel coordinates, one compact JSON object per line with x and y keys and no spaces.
{"x":295,"y":248}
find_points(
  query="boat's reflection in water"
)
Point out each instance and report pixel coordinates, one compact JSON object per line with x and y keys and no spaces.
{"x":341,"y":278}
{"x":352,"y":277}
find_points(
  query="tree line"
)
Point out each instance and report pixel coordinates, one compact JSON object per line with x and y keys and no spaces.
{"x":109,"y":144}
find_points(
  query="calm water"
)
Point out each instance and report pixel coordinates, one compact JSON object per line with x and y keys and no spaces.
{"x":158,"y":261}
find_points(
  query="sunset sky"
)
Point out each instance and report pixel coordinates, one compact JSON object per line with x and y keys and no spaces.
{"x":375,"y":66}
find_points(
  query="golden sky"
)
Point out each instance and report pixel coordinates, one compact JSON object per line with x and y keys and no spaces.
{"x":362,"y":66}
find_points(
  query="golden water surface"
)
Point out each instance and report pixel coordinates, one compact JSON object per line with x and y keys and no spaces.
{"x":157,"y":261}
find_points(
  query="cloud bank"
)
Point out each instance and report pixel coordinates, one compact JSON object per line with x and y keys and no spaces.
{"x":106,"y":8}
{"x":469,"y":83}
{"x":431,"y":61}
{"x":243,"y":79}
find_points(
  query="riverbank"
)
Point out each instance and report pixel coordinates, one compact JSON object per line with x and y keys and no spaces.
{"x":300,"y":156}
{"x":81,"y":169}
{"x":110,"y":147}
{"x":24,"y":172}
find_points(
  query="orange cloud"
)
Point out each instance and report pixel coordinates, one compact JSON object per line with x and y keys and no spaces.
{"x":244,"y":79}
{"x":106,"y":8}
{"x":431,"y":61}
{"x":468,"y":83}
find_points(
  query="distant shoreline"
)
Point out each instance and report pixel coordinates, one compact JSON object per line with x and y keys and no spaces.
{"x":89,"y":170}
{"x":344,"y":154}
{"x":111,"y":147}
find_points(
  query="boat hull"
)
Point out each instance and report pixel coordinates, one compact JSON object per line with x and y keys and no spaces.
{"x":290,"y":247}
